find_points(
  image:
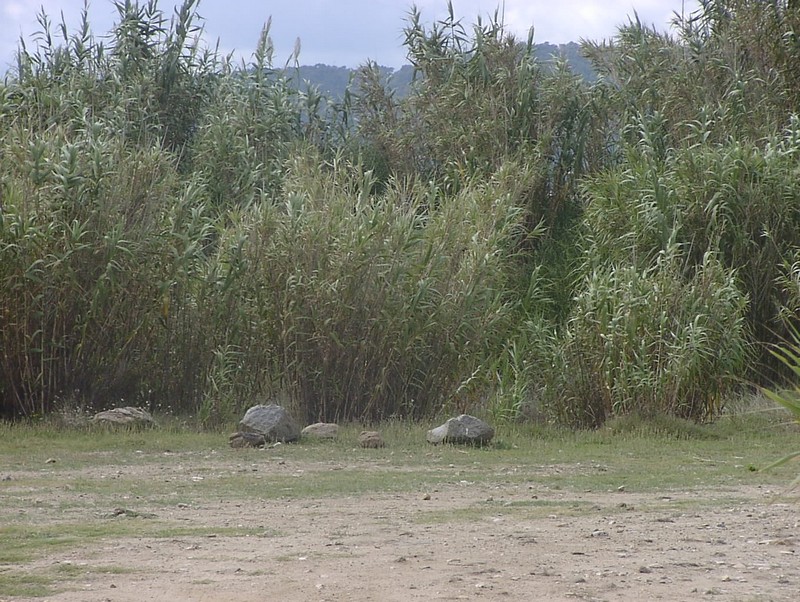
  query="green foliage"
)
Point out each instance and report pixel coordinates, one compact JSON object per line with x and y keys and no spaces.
{"x":254,"y":119}
{"x":78,"y":261}
{"x":756,"y":39}
{"x":480,"y":99}
{"x":119,"y":271}
{"x":651,"y":342}
{"x":788,"y":354}
{"x":659,"y":426}
{"x":708,"y":156}
{"x":505,"y":237}
{"x":379,"y":304}
{"x":733,"y":67}
{"x":736,"y":200}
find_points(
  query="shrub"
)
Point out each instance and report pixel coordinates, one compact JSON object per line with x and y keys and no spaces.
{"x":789,"y":398}
{"x":650,"y":342}
{"x":735,"y":200}
{"x":379,"y":305}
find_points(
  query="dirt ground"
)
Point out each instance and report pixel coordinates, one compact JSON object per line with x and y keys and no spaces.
{"x":461,"y":541}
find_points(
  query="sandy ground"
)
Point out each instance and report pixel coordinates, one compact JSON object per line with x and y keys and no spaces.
{"x":462,"y":541}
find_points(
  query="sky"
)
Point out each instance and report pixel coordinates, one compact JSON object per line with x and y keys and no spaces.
{"x":348,"y":32}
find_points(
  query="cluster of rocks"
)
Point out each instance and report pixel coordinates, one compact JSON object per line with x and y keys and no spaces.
{"x":269,"y":424}
{"x":265,"y":424}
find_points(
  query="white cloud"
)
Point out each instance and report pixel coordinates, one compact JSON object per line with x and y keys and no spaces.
{"x":13,"y":10}
{"x":571,"y":20}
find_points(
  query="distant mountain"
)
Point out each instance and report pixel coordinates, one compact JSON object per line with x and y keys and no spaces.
{"x":571,"y":52}
{"x":332,"y":81}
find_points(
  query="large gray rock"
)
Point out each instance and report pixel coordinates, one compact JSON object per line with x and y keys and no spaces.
{"x":462,"y":429}
{"x":272,"y":421}
{"x":128,"y":417}
{"x":321,"y":430}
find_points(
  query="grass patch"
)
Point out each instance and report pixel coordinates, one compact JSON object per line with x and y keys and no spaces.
{"x":169,"y":468}
{"x":30,"y":445}
{"x":75,"y":570}
{"x":25,"y":542}
{"x":45,"y":582}
{"x":660,"y":426}
{"x":20,"y":583}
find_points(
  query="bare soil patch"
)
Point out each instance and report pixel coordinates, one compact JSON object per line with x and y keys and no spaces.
{"x":459,"y":541}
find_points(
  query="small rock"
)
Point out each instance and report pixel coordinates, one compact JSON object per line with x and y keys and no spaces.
{"x":241,"y":439}
{"x":645,"y":569}
{"x":426,"y":497}
{"x":371,"y":440}
{"x":128,"y":417}
{"x":50,"y":461}
{"x":128,"y":513}
{"x":321,"y":430}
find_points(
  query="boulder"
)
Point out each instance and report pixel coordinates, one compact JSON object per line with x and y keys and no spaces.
{"x":272,"y":421}
{"x":321,"y":430}
{"x":128,"y":417}
{"x":371,"y":439}
{"x":462,"y":429}
{"x":240,"y":439}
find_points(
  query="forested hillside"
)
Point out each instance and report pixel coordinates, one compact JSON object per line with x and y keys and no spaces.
{"x":333,"y":82}
{"x":505,"y":237}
